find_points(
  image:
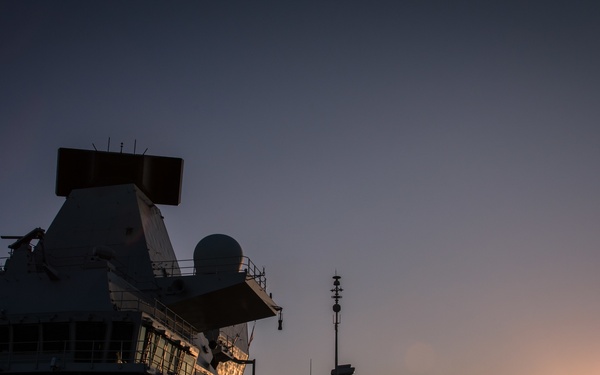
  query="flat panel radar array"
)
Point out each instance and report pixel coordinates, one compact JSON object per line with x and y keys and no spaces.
{"x":159,"y":177}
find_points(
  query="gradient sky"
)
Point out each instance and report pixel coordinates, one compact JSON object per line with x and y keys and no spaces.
{"x":442,"y":156}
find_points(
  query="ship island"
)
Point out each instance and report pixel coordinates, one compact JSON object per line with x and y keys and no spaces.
{"x":100,"y":291}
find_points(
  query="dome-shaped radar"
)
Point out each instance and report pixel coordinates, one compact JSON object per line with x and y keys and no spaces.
{"x":217,"y":253}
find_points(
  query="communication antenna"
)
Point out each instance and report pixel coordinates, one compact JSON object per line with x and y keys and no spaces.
{"x":336,"y":309}
{"x":337,"y":289}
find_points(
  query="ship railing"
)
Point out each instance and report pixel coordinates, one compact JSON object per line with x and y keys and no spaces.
{"x":70,"y":355}
{"x":227,"y":341}
{"x":65,"y":351}
{"x":127,"y":301}
{"x":117,"y":266}
{"x":216,"y":265}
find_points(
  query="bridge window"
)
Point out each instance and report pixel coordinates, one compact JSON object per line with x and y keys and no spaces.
{"x":55,"y":337}
{"x":25,"y":338}
{"x":120,"y":342}
{"x":4,"y":338}
{"x":89,"y":344}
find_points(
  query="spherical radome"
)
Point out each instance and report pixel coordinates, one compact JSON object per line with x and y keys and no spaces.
{"x":218,"y":253}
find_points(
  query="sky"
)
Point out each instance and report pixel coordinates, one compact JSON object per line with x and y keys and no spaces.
{"x":441,"y":156}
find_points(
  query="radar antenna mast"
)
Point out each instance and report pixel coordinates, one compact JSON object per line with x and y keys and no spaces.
{"x":337,"y":289}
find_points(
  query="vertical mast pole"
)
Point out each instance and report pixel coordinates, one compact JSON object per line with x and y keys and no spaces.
{"x":336,"y":309}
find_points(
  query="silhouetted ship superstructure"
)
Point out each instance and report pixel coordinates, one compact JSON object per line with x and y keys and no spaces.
{"x":101,"y":290}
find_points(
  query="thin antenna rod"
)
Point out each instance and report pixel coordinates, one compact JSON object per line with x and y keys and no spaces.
{"x":94,"y":146}
{"x":108,"y":149}
{"x":134,"y":144}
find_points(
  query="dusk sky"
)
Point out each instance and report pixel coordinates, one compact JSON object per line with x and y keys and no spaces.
{"x":442,"y":156}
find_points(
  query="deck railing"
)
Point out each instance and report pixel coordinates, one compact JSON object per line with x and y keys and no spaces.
{"x":127,"y":301}
{"x":98,"y":355}
{"x":217,"y":265}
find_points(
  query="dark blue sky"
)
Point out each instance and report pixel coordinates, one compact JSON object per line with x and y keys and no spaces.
{"x":441,"y":155}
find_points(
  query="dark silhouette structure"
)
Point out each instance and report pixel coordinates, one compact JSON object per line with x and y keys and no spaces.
{"x":338,"y":369}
